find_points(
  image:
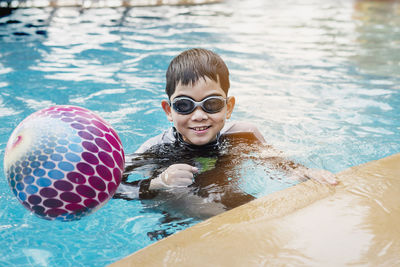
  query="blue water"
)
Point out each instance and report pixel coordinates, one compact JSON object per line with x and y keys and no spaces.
{"x":320,"y":79}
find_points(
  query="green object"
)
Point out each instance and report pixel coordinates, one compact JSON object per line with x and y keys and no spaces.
{"x":206,"y":164}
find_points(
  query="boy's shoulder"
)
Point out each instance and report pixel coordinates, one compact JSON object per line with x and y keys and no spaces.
{"x":242,"y":127}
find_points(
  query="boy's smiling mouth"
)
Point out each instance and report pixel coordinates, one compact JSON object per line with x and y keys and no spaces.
{"x":200,"y":129}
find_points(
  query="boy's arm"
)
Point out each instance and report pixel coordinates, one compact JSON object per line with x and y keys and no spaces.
{"x":176,"y":175}
{"x":135,"y":190}
{"x":142,"y":189}
{"x":297,"y":171}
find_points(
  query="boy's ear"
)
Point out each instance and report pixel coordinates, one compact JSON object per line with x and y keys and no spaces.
{"x":230,"y":105}
{"x":167,"y":109}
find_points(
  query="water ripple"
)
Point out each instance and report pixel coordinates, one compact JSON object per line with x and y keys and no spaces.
{"x":320,"y":79}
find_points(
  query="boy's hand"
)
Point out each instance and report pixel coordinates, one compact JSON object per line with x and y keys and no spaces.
{"x":321,"y":176}
{"x":176,"y":175}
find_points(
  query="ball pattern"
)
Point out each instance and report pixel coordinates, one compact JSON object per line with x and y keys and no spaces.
{"x":64,"y":162}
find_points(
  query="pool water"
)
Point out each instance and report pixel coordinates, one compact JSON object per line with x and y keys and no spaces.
{"x":320,"y":79}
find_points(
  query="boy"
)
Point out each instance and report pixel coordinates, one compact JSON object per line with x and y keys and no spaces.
{"x":198,"y":105}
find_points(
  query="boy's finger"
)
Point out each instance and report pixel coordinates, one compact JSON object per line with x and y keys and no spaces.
{"x":186,"y":167}
{"x":185,"y":174}
{"x":332,"y":179}
{"x":328,"y":177}
{"x":324,"y":176}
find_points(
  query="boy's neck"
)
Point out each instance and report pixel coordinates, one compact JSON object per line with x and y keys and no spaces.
{"x":212,"y":145}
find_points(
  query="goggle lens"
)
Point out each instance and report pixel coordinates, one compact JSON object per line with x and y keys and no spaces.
{"x":185,"y":105}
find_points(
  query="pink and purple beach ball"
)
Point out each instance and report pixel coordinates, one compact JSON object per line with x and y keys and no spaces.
{"x":64,"y":162}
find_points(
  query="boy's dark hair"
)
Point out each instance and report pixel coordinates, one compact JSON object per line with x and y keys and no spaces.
{"x":193,"y":64}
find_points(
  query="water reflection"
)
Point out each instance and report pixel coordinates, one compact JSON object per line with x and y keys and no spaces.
{"x":8,"y":4}
{"x":378,"y":38}
{"x":321,"y":80}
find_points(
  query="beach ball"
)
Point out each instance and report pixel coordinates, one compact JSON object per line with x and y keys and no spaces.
{"x":64,"y":162}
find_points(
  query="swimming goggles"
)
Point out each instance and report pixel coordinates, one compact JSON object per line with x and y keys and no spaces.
{"x":185,"y":105}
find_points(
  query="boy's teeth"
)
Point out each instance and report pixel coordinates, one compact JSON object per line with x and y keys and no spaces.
{"x":200,"y":128}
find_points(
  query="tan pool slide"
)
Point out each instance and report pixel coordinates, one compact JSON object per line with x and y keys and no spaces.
{"x":356,"y":223}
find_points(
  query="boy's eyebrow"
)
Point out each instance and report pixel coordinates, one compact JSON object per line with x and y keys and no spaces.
{"x":214,"y":94}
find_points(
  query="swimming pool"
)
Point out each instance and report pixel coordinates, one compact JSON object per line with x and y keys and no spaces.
{"x":321,"y":80}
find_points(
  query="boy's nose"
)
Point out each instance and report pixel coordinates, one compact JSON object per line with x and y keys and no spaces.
{"x":199,"y":114}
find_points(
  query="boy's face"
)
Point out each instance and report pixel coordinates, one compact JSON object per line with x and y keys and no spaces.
{"x":199,"y":127}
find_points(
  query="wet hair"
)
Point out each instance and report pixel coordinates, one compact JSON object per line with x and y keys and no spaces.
{"x":191,"y":65}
